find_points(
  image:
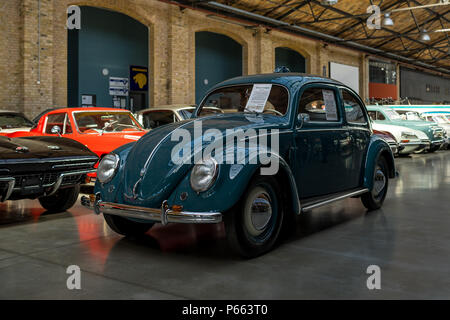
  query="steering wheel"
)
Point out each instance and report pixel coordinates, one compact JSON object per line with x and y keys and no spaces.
{"x":121,"y":125}
{"x":278,"y":113}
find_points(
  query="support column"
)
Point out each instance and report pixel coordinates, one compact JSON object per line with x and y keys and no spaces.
{"x":37,"y":55}
{"x":181,"y":87}
{"x":265,"y":52}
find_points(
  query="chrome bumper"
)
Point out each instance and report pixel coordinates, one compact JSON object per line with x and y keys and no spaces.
{"x":438,"y":142}
{"x":409,"y":147}
{"x":11,"y":182}
{"x":164,"y":214}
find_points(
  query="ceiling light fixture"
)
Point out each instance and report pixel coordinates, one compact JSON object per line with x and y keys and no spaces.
{"x":329,"y":2}
{"x":388,"y":22}
{"x":424,"y":36}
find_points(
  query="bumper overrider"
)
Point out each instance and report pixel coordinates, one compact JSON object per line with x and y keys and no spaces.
{"x":51,"y":189}
{"x":164,"y":215}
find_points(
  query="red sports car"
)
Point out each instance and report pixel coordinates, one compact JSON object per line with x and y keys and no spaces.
{"x":102,"y":130}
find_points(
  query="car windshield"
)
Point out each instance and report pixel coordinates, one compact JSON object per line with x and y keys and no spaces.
{"x":392,"y":114}
{"x":105,"y":121}
{"x":441,"y":119}
{"x":410,"y":115}
{"x":13,"y":120}
{"x":256,"y":98}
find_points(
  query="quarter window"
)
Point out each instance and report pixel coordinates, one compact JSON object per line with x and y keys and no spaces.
{"x":353,"y":110}
{"x":58,"y":119}
{"x":319,"y":104}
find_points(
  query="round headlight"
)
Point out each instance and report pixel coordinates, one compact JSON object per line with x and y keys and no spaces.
{"x":203,"y":175}
{"x":108,"y":167}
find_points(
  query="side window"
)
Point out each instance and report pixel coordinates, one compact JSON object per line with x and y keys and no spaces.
{"x":154,"y":119}
{"x":380,"y":116}
{"x":372,"y":115}
{"x":58,"y":119}
{"x":353,"y":110}
{"x":319,"y":104}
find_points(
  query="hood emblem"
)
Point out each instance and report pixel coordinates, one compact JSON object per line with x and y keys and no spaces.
{"x":22,"y":149}
{"x":54,"y":147}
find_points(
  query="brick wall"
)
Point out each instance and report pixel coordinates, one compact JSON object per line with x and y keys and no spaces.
{"x":11,"y":61}
{"x":171,"y":54}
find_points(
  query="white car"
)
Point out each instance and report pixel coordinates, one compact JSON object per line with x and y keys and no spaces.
{"x":442,"y":121}
{"x":12,"y":121}
{"x":408,"y":139}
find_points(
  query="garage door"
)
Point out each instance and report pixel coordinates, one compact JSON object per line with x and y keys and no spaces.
{"x":217,"y":58}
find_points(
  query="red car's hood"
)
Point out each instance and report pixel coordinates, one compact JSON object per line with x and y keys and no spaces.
{"x":108,"y":142}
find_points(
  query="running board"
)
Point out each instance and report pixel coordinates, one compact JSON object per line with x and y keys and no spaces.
{"x":308,"y":206}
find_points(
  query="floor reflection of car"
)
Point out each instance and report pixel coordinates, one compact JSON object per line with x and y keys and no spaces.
{"x":158,"y":116}
{"x":49,"y":169}
{"x":11,"y":121}
{"x":430,"y":134}
{"x":315,"y":131}
{"x":100,"y":129}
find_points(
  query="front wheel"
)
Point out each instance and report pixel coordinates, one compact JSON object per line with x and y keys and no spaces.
{"x":254,"y":223}
{"x":62,"y":200}
{"x":126,"y":227}
{"x":374,"y":199}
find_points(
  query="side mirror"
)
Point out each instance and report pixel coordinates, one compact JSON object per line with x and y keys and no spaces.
{"x":302,"y":118}
{"x":56,"y":130}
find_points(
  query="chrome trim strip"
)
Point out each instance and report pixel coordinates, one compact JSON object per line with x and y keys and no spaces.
{"x":90,"y":164}
{"x":163,"y":214}
{"x":345,"y":196}
{"x":321,"y":129}
{"x":11,"y":182}
{"x":32,"y":161}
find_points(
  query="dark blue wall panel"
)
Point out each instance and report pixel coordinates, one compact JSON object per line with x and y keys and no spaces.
{"x":217,"y":58}
{"x":285,"y":57}
{"x":109,"y":40}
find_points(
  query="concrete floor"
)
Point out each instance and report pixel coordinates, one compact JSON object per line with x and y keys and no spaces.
{"x":327,"y":258}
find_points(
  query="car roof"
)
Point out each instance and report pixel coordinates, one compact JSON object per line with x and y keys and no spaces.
{"x":290,"y":80}
{"x":87,"y":109}
{"x":172,"y":107}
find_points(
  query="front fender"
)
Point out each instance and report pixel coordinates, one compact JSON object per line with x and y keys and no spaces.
{"x":377,"y":147}
{"x":230,"y":185}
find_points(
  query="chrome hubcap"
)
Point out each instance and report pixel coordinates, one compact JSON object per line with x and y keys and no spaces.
{"x":258,"y":212}
{"x":379,"y":181}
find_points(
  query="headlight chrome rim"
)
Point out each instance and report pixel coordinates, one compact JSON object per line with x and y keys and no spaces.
{"x":114,"y":165}
{"x":195,"y":185}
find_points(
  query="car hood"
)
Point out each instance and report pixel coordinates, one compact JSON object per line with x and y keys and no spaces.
{"x":149,"y":173}
{"x":40,"y":148}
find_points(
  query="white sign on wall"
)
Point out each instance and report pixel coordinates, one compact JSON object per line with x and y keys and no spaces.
{"x":118,"y":86}
{"x":346,"y":74}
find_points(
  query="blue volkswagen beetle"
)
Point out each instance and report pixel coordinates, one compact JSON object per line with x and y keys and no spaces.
{"x":274,"y":146}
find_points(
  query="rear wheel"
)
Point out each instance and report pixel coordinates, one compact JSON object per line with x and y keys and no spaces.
{"x":374,"y":199}
{"x":254,"y":223}
{"x":62,"y":200}
{"x":126,"y":227}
